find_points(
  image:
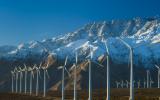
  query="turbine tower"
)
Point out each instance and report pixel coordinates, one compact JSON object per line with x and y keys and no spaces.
{"x":25,"y":84}
{"x":89,"y":62}
{"x":20,"y":79}
{"x":131,"y":69}
{"x":108,"y":68}
{"x":63,"y":69}
{"x":158,"y":75}
{"x":13,"y":77}
{"x":31,"y":76}
{"x":16,"y":71}
{"x":45,"y":71}
{"x":38,"y":75}
{"x":90,"y":77}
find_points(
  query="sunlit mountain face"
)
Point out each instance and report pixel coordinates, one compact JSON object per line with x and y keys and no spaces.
{"x":143,"y":35}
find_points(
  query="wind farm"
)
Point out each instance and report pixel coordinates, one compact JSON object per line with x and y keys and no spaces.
{"x":89,"y":64}
{"x":79,"y":50}
{"x":31,"y":81}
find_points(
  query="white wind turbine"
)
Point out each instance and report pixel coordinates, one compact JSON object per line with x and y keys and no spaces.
{"x":31,"y":76}
{"x":37,"y":77}
{"x":158,"y":75}
{"x":151,"y":82}
{"x":13,"y":77}
{"x":131,"y":66}
{"x":131,"y":69}
{"x":75,"y":76}
{"x":122,"y":84}
{"x":138,"y":83}
{"x":108,"y":68}
{"x":25,"y":82}
{"x":90,"y":77}
{"x":63,"y":69}
{"x":117,"y":84}
{"x":20,"y":79}
{"x":89,"y":61}
{"x":127,"y":84}
{"x":45,"y":72}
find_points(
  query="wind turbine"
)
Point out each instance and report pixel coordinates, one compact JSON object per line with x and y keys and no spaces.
{"x":127,"y":84}
{"x":158,"y":75}
{"x":45,"y":71}
{"x":150,"y":83}
{"x":20,"y":79}
{"x":38,"y":75}
{"x":122,"y":84}
{"x":138,"y":83}
{"x":90,"y":77}
{"x":131,"y":66}
{"x":13,"y":77}
{"x":31,"y":76}
{"x":75,"y":76}
{"x":25,"y":70}
{"x":117,"y":84}
{"x":16,"y":71}
{"x":108,"y":69}
{"x":89,"y":62}
{"x":131,"y":69}
{"x":63,"y":69}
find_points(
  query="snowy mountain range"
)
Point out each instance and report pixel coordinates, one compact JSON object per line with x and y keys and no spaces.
{"x":142,"y":33}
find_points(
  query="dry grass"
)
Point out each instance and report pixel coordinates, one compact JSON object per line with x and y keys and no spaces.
{"x":116,"y":94}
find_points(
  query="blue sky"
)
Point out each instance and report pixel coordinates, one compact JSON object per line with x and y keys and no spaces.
{"x":25,"y":20}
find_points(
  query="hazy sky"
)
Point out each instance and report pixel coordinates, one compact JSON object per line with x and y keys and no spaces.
{"x":25,"y":20}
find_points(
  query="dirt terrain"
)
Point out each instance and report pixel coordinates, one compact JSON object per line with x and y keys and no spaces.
{"x":116,"y":94}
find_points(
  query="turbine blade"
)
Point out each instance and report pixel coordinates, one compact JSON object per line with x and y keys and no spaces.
{"x":47,"y":64}
{"x":47,"y":73}
{"x":125,"y":43}
{"x":40,"y":65}
{"x":91,"y":53}
{"x":60,"y":67}
{"x":34,"y":67}
{"x":67,"y":71}
{"x":12,"y":72}
{"x":103,"y":60}
{"x":25,"y":67}
{"x":72,"y":66}
{"x":66,"y":61}
{"x":86,"y":63}
{"x":39,"y":73}
{"x":157,"y":67}
{"x":20,"y":68}
{"x":76,"y":58}
{"x":105,"y":43}
{"x":98,"y":64}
